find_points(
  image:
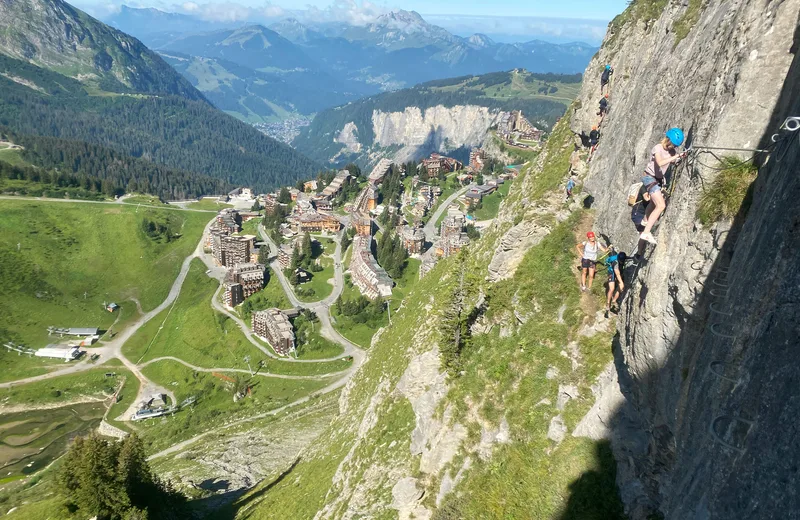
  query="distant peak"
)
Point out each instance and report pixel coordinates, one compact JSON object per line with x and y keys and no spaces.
{"x":404,"y":16}
{"x":480,"y":40}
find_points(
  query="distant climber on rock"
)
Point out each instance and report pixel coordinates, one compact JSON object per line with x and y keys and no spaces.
{"x":605,"y":77}
{"x":661,"y":156}
{"x":588,"y":251}
{"x":570,"y":187}
{"x":615,"y":263}
{"x":603,"y":107}
{"x":594,"y":138}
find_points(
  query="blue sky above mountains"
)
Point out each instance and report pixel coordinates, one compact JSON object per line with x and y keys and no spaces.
{"x":505,"y":20}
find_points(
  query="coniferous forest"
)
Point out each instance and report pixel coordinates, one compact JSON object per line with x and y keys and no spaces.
{"x":148,"y":138}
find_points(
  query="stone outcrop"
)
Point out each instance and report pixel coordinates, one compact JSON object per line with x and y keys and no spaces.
{"x":707,"y":340}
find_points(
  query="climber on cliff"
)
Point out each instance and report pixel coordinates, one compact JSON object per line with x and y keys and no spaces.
{"x":594,"y":138}
{"x":605,"y":77}
{"x":603,"y":107}
{"x":570,"y":187}
{"x":661,"y":156}
{"x":588,"y":251}
{"x":615,"y":263}
{"x":637,"y":215}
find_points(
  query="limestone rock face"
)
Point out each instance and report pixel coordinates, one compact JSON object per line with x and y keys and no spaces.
{"x":707,"y":335}
{"x":436,"y":129}
{"x":349,"y":138}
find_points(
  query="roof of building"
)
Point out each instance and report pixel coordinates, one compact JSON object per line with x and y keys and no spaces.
{"x":82,"y":331}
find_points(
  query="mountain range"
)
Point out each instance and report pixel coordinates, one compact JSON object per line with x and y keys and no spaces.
{"x":73,"y":87}
{"x":333,"y":62}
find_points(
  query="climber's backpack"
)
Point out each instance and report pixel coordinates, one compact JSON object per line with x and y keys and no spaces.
{"x":633,"y":193}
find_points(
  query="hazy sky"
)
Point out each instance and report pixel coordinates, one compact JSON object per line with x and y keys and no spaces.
{"x":503,"y":20}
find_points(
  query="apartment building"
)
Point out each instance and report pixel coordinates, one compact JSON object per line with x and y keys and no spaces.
{"x":274,"y":327}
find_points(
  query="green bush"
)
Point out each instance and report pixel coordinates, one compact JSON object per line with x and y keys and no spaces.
{"x":730,"y":193}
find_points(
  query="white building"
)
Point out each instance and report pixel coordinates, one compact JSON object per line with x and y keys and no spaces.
{"x":65,"y":353}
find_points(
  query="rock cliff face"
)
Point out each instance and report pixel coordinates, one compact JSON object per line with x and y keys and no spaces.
{"x":436,"y":129}
{"x":709,"y":329}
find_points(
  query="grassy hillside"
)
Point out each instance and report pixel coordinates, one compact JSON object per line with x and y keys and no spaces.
{"x":59,"y":262}
{"x":529,"y":337}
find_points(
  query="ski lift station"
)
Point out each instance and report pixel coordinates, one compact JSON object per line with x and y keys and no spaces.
{"x":65,"y":353}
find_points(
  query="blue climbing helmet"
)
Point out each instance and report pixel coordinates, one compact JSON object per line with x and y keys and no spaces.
{"x":675,"y":136}
{"x":608,"y":67}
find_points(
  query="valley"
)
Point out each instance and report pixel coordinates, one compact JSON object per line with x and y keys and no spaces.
{"x":336,"y":262}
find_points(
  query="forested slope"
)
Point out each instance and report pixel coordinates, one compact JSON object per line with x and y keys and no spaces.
{"x":148,"y":113}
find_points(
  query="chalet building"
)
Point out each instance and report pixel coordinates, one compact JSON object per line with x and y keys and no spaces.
{"x":250,"y":276}
{"x":273,"y":326}
{"x":322,"y":204}
{"x":437,"y":164}
{"x":477,"y":158}
{"x":464,"y":178}
{"x":294,"y":193}
{"x":303,"y":207}
{"x":342,"y":179}
{"x":310,"y":186}
{"x":232,"y":294}
{"x":249,"y":215}
{"x":318,"y":222}
{"x":380,"y":171}
{"x":413,"y":239}
{"x":363,"y":224}
{"x":366,"y":273}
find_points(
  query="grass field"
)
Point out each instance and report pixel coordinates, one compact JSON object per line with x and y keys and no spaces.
{"x":60,"y":262}
{"x":192,"y":330}
{"x":490,"y":205}
{"x":214,"y":404}
{"x":63,"y":390}
{"x":320,"y":286}
{"x":361,"y":333}
{"x":148,"y":200}
{"x":210,"y":204}
{"x":12,"y":156}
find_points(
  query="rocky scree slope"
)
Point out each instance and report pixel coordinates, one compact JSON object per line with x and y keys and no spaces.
{"x":706,"y":348}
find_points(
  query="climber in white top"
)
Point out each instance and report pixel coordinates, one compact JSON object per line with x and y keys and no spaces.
{"x":661,"y":156}
{"x":588,"y":251}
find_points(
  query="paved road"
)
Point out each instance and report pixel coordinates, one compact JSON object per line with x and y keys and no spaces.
{"x":115,"y":203}
{"x":431,"y":231}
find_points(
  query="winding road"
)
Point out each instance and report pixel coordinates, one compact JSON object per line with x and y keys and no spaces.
{"x":431,"y":231}
{"x":112,"y":349}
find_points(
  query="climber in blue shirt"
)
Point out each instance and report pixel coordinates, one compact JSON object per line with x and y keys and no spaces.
{"x":605,"y":77}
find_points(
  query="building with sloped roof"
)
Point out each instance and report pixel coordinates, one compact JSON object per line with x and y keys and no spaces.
{"x":366,"y":274}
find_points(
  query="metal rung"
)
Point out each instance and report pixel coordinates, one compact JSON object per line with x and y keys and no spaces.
{"x":732,"y":420}
{"x":692,"y":265}
{"x":720,"y":284}
{"x":713,"y":308}
{"x":716,"y":332}
{"x":721,"y":373}
{"x":717,"y":293}
{"x":724,"y":269}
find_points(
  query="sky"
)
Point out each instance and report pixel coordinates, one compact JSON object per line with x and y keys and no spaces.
{"x":504,"y":20}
